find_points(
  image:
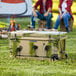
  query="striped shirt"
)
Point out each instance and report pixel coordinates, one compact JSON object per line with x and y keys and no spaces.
{"x":68,"y":8}
{"x":48,"y":4}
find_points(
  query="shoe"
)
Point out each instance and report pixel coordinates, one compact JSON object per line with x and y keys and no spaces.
{"x":29,"y":27}
{"x":54,"y":29}
{"x":45,"y":29}
{"x":67,"y":29}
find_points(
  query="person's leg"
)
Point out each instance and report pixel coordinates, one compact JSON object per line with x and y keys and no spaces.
{"x":66,"y":18}
{"x":48,"y":18}
{"x":9,"y":29}
{"x":33,"y":19}
{"x":57,"y":22}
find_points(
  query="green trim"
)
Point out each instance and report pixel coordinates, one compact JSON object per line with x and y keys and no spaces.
{"x":32,"y":51}
{"x":14,"y":47}
{"x":55,"y":43}
{"x":48,"y":54}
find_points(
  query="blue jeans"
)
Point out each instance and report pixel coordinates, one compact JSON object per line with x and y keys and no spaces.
{"x":41,"y":17}
{"x":66,"y":18}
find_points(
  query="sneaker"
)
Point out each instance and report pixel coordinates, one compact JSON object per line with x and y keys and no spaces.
{"x":54,"y":29}
{"x":67,"y":29}
{"x":29,"y":27}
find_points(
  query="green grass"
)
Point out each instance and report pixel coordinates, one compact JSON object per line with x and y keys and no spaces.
{"x":25,"y":67}
{"x":22,"y":67}
{"x":4,"y":44}
{"x":22,"y":21}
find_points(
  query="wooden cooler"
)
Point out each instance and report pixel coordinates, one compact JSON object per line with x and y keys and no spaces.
{"x":38,"y":44}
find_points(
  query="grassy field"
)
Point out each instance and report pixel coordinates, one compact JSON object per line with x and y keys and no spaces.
{"x":24,"y":67}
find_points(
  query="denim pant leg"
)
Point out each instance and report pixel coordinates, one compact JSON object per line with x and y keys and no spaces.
{"x":66,"y":18}
{"x":33,"y":19}
{"x":9,"y":29}
{"x":48,"y":18}
{"x":57,"y":22}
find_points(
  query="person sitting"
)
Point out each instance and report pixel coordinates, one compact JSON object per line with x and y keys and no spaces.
{"x":45,"y":12}
{"x":64,"y":13}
